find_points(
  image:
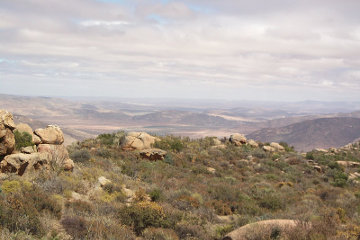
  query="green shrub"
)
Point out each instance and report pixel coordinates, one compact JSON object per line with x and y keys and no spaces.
{"x":81,"y":155}
{"x":310,"y":155}
{"x":170,"y":143}
{"x":287,"y":147}
{"x":10,"y":186}
{"x":142,"y":215}
{"x":18,"y":213}
{"x":259,"y":153}
{"x":155,"y":194}
{"x":168,"y":159}
{"x":22,"y":139}
{"x":340,"y":177}
{"x":106,"y":139}
{"x":103,"y":152}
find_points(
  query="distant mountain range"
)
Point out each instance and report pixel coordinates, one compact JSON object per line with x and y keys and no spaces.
{"x":305,"y":125}
{"x":316,"y":133}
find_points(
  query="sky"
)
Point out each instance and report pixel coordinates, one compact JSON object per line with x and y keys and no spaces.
{"x":280,"y":50}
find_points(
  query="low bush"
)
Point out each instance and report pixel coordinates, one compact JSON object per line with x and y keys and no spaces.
{"x":81,"y":155}
{"x":155,"y":194}
{"x":142,"y":215}
{"x":22,"y":139}
{"x":75,"y":226}
{"x":159,"y":234}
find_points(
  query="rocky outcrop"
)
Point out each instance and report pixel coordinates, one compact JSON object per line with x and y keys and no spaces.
{"x":21,"y":163}
{"x":46,"y":153}
{"x":348,"y":164}
{"x":211,"y":170}
{"x":268,"y":149}
{"x":274,"y":147}
{"x":58,"y":152}
{"x":137,"y":141}
{"x":68,"y":164}
{"x":29,"y":149}
{"x":253,"y":144}
{"x":7,"y":138}
{"x":103,"y":181}
{"x":277,"y":147}
{"x":153,"y":154}
{"x":266,"y":226}
{"x":7,"y":119}
{"x":238,"y":139}
{"x":50,"y":135}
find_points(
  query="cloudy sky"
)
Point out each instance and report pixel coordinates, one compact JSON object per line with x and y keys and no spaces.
{"x":215,"y":49}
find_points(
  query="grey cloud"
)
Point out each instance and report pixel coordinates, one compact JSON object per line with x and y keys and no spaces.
{"x":268,"y":47}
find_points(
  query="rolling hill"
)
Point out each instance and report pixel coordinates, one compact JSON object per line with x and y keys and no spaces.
{"x":316,"y":133}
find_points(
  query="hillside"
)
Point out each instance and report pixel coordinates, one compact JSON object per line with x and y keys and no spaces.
{"x":316,"y":133}
{"x":131,"y":185}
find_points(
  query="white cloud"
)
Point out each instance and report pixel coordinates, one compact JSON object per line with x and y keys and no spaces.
{"x":233,"y":49}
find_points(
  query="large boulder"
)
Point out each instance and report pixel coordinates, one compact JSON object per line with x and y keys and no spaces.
{"x":6,"y":119}
{"x":7,"y":138}
{"x":277,"y":147}
{"x":68,"y":164}
{"x":238,"y":139}
{"x":265,"y":227}
{"x":269,"y":149}
{"x":21,"y":163}
{"x":137,"y":141}
{"x":153,"y":154}
{"x":7,"y":141}
{"x":253,"y":144}
{"x":58,"y":153}
{"x":349,"y":164}
{"x":50,"y":135}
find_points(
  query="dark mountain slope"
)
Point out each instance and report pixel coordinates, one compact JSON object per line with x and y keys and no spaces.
{"x":310,"y":134}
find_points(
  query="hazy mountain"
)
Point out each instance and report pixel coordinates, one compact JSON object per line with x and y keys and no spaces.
{"x":87,"y":117}
{"x":310,"y":134}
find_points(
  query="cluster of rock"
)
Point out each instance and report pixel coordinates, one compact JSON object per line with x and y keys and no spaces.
{"x":239,"y":139}
{"x":142,"y":141}
{"x":274,"y":147}
{"x":48,"y":149}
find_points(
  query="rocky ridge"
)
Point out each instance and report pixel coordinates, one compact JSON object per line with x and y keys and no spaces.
{"x":46,"y":151}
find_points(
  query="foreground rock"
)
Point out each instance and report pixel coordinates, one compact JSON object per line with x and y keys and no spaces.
{"x":238,"y":139}
{"x":268,"y":149}
{"x":153,"y":154}
{"x":51,"y":135}
{"x":103,"y":181}
{"x":277,"y":147}
{"x":68,"y":164}
{"x":137,"y":141}
{"x":7,"y":120}
{"x":20,"y":163}
{"x":348,"y":164}
{"x":7,"y":138}
{"x":265,"y":227}
{"x":253,"y":144}
{"x":47,"y":153}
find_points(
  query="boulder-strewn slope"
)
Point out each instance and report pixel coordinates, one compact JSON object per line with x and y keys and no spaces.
{"x":134,"y":186}
{"x":311,"y":134}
